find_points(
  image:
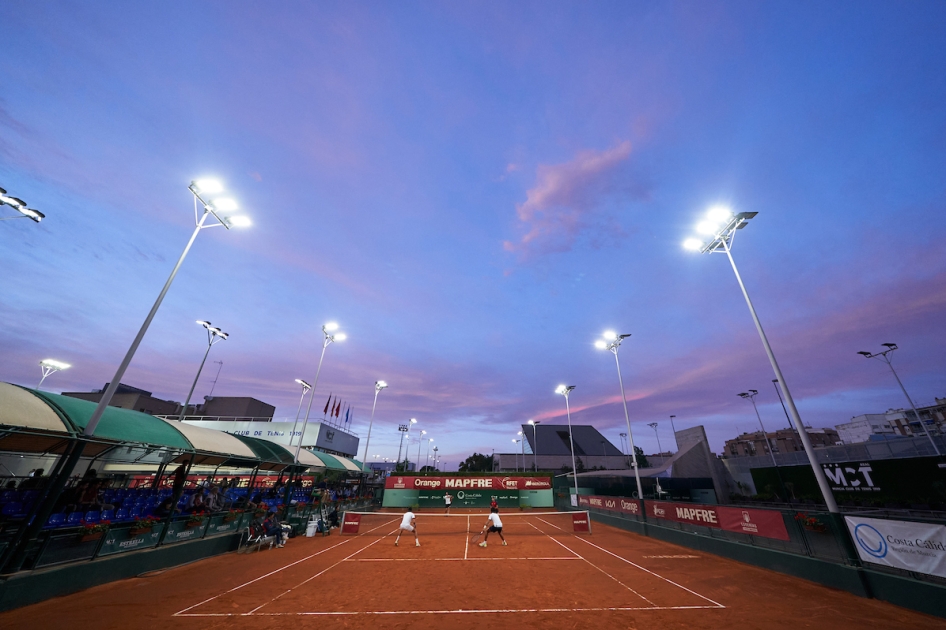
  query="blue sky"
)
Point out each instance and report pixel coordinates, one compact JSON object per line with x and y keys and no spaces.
{"x":475,"y":191}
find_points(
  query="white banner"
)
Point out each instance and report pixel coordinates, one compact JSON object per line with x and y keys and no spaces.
{"x":919,"y":547}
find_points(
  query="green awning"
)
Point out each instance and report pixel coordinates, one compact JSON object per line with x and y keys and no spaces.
{"x":120,"y":425}
{"x":272,"y":455}
{"x":336,"y":462}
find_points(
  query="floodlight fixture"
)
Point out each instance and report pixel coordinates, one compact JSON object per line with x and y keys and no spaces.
{"x":48,"y":366}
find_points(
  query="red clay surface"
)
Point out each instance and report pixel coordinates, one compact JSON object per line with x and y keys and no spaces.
{"x":547,"y":577}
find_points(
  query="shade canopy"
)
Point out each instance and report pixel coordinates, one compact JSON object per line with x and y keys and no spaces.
{"x":33,"y":421}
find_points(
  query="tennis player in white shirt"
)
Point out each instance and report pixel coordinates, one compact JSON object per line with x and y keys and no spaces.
{"x":494,"y":525}
{"x":407,"y":525}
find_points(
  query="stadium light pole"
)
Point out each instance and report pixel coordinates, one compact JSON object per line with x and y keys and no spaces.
{"x":48,"y":366}
{"x":378,"y":386}
{"x":201,"y":190}
{"x":750,"y":396}
{"x":535,"y":438}
{"x":436,"y":457}
{"x":882,"y":356}
{"x":404,"y":429}
{"x":565,"y":390}
{"x":623,"y":437}
{"x":515,"y":455}
{"x":673,"y":430}
{"x":653,"y":425}
{"x":720,"y":226}
{"x":779,"y":394}
{"x":305,"y":388}
{"x":612,"y":343}
{"x":427,"y":458}
{"x":20,"y":206}
{"x":214,"y":335}
{"x":329,"y":336}
{"x":420,"y":441}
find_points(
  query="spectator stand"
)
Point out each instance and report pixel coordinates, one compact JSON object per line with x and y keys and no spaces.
{"x":67,"y":518}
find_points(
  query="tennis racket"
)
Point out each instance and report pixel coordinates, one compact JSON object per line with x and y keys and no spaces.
{"x":477,"y":536}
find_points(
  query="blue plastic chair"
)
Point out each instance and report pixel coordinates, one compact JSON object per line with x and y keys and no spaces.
{"x":55,"y":520}
{"x":92,"y":516}
{"x":134,"y":512}
{"x":121,"y":514}
{"x":108,"y":515}
{"x":74,"y":518}
{"x":13,"y":509}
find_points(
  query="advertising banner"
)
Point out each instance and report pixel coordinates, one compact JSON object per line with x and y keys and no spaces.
{"x":351,"y":523}
{"x":613,"y":504}
{"x":580,"y":522}
{"x":485,"y":484}
{"x":911,"y":546}
{"x":765,"y":523}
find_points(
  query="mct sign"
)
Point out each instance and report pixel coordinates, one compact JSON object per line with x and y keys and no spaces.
{"x":850,"y":477}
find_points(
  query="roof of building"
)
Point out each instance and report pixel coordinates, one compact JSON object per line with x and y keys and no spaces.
{"x":553,"y":439}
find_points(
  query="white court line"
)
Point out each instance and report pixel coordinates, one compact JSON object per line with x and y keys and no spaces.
{"x":313,"y":577}
{"x":466,"y":547}
{"x":599,"y":568}
{"x":651,"y":572}
{"x":547,"y":523}
{"x":236,"y":588}
{"x":457,"y":559}
{"x":460,"y":611}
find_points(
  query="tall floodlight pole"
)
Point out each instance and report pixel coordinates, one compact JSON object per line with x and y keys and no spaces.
{"x":623,"y":437}
{"x":522,"y":449}
{"x":427,"y":457}
{"x":420,"y":441}
{"x":779,"y":394}
{"x":673,"y":430}
{"x":750,"y":396}
{"x":48,"y":366}
{"x":305,"y":388}
{"x":515,"y":455}
{"x":378,"y":386}
{"x":535,"y":439}
{"x":653,"y":425}
{"x":404,"y":429}
{"x":201,"y":190}
{"x":882,"y":356}
{"x":329,"y":335}
{"x":214,"y":335}
{"x":721,"y":225}
{"x":565,"y":390}
{"x":436,"y":457}
{"x":612,"y":343}
{"x":20,"y":206}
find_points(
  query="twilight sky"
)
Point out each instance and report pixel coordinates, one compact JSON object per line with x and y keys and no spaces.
{"x":475,"y":191}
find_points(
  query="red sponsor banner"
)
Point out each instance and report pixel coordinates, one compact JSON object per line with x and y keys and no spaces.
{"x":350,"y":523}
{"x":765,"y":523}
{"x":580,"y":522}
{"x":613,"y":504}
{"x":408,"y":482}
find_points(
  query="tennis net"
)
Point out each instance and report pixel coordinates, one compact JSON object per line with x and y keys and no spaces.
{"x":520,"y":523}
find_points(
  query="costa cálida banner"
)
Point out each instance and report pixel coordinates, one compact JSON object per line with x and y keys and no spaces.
{"x":406,"y":482}
{"x":919,"y":547}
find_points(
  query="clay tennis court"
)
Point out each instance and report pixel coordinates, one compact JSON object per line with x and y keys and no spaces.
{"x":547,"y":577}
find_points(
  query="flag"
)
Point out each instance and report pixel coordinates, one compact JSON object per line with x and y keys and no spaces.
{"x":346,"y":414}
{"x":338,"y":409}
{"x":325,"y":411}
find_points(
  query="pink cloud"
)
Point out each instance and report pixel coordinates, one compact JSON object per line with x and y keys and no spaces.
{"x":567,"y":199}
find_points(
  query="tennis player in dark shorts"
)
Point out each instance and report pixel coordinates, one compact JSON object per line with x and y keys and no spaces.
{"x":495,"y":525}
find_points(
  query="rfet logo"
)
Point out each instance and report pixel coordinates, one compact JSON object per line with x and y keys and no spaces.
{"x":510,"y":484}
{"x":659,"y":512}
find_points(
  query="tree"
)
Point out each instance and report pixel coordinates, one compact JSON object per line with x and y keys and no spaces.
{"x":427,"y":469}
{"x":477,"y":462}
{"x":641,"y":458}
